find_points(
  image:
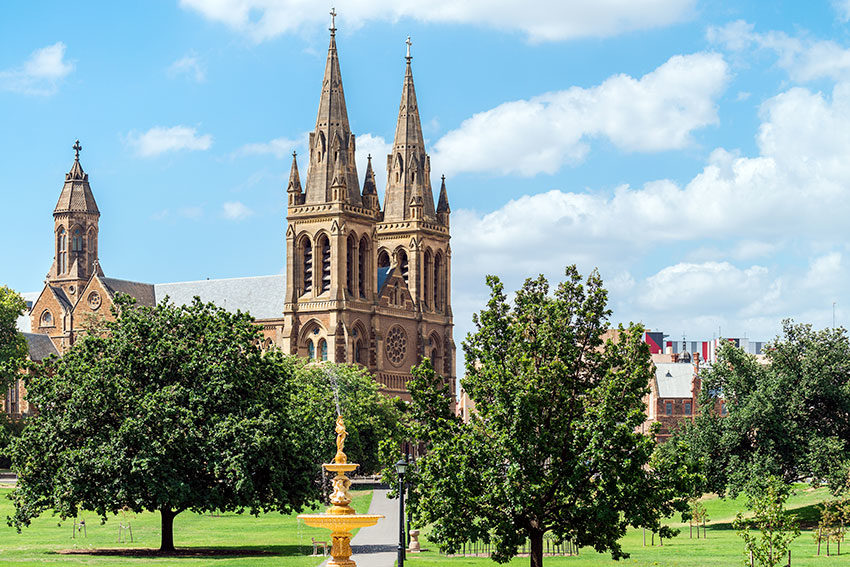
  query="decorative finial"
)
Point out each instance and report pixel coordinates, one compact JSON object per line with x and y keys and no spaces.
{"x":409,"y":43}
{"x":443,"y":177}
{"x":333,"y":21}
{"x":369,"y":157}
{"x":294,"y":153}
{"x":77,"y":147}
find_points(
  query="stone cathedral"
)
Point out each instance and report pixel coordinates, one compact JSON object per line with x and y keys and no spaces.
{"x":363,"y":284}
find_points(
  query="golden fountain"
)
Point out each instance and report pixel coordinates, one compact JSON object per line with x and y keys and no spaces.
{"x":340,"y":518}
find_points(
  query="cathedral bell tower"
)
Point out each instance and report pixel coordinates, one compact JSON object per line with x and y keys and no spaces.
{"x":330,"y":280}
{"x":75,"y":222}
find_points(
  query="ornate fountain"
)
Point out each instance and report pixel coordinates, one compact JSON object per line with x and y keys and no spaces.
{"x":340,"y":518}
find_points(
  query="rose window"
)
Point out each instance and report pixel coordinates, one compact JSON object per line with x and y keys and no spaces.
{"x":396,"y":345}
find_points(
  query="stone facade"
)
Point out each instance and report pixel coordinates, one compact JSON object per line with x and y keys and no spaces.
{"x":363,"y":285}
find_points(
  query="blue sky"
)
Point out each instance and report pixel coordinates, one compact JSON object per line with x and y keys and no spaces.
{"x":695,"y":151}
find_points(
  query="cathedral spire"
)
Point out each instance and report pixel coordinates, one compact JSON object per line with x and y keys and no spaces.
{"x":294,"y":187}
{"x":408,"y":167}
{"x":76,"y":193}
{"x":332,"y":139}
{"x":443,"y":209}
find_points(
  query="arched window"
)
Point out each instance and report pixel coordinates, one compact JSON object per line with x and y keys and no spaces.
{"x":438,"y":282}
{"x":306,"y":265}
{"x":77,"y":240}
{"x":428,"y":280}
{"x":399,"y":167}
{"x":403,"y":265}
{"x":383,"y":259}
{"x":323,"y":350}
{"x":358,"y":352}
{"x":325,"y":251}
{"x":46,"y":319}
{"x":92,"y":248}
{"x":62,"y":250}
{"x":362,"y":266}
{"x":311,"y":349}
{"x":349,"y":264}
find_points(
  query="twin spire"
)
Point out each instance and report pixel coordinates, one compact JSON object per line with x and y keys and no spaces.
{"x":332,"y":171}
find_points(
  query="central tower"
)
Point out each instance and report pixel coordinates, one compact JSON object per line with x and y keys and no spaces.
{"x":363,"y":285}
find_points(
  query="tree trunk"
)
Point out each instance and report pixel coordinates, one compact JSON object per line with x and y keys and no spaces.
{"x":167,"y":541}
{"x":536,"y":551}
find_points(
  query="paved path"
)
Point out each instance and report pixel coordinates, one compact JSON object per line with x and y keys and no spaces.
{"x":377,"y":546}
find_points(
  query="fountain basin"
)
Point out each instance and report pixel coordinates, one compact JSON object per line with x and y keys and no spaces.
{"x":340,"y":523}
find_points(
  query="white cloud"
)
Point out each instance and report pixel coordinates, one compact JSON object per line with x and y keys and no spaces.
{"x":40,"y":74}
{"x":189,"y":66}
{"x":656,"y":112}
{"x":235,"y":210}
{"x":159,"y":140}
{"x":540,"y":20}
{"x":278,"y":147}
{"x":754,"y":222}
{"x":842,"y":8}
{"x":804,"y":59}
{"x":379,"y":149}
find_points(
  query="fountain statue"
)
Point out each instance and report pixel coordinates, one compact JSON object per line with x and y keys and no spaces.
{"x":340,"y":518}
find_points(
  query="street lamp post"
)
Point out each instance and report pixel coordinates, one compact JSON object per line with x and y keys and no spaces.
{"x":401,"y":468}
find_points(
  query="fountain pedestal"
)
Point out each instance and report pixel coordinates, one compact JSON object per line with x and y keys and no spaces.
{"x":340,"y":518}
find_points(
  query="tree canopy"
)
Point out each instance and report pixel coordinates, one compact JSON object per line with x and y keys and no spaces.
{"x":788,"y":416}
{"x":13,"y":346}
{"x":552,"y":446}
{"x":167,"y":409}
{"x":370,"y":417}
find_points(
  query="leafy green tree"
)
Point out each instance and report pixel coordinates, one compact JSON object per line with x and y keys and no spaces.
{"x":370,"y":417}
{"x":788,"y":418}
{"x":777,"y":528}
{"x":170,"y":409}
{"x":13,"y":346}
{"x":553,"y":447}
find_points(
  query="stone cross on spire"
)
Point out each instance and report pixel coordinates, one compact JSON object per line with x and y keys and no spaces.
{"x":333,"y":21}
{"x":77,"y":147}
{"x":409,"y":43}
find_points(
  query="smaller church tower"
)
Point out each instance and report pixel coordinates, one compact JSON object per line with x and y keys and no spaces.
{"x":75,"y":222}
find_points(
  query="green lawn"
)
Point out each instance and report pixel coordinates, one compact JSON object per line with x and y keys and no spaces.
{"x":722,"y":548}
{"x":270,"y":539}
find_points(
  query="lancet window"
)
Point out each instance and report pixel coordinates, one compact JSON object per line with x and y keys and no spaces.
{"x":307,"y":265}
{"x":62,"y":251}
{"x":325,"y":250}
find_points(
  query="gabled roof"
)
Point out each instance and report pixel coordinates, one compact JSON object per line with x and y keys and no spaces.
{"x":39,"y":346}
{"x":61,"y":297}
{"x":261,"y":296}
{"x":143,"y":292}
{"x":675,"y":380}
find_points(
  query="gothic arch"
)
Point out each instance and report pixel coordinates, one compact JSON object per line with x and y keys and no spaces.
{"x":439,"y":281}
{"x":351,"y":263}
{"x":427,"y":278}
{"x":311,"y":333}
{"x":322,"y":262}
{"x":434,"y":351}
{"x":403,"y":263}
{"x":359,"y":343}
{"x":305,"y":263}
{"x":363,"y":266}
{"x":61,"y":250}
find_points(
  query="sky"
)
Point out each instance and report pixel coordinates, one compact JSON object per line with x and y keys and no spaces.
{"x":696,"y":152}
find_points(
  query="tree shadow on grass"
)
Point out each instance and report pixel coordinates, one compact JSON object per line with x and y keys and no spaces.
{"x":807,"y":516}
{"x":209,"y":552}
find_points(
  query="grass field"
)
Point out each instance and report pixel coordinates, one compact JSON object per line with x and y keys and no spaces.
{"x":723,"y":548}
{"x":225,"y":540}
{"x":278,"y":540}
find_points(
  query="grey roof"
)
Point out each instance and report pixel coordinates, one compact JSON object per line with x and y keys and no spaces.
{"x":143,"y":292}
{"x":674,"y":379}
{"x":62,"y":297}
{"x":39,"y":346}
{"x":261,"y":296}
